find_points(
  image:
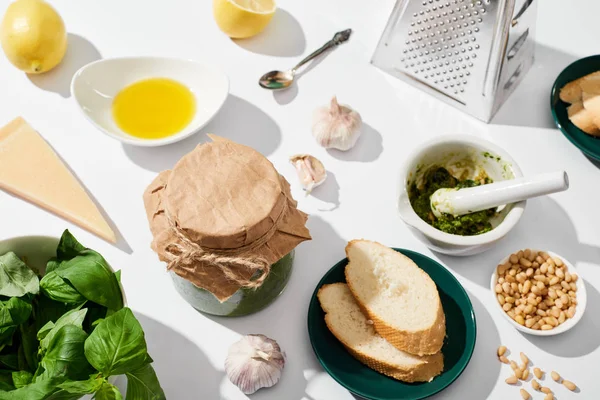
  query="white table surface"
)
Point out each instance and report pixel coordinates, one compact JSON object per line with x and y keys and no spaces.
{"x":357,"y":201}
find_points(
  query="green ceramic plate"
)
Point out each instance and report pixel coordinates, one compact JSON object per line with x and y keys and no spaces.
{"x":589,"y":145}
{"x":363,"y":381}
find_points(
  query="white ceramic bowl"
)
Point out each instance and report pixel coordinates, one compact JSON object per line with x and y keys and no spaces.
{"x":568,"y":324}
{"x":95,"y":85}
{"x":445,"y":151}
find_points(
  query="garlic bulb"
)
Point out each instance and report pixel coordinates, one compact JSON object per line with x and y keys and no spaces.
{"x":254,"y":362}
{"x":311,"y":171}
{"x":336,"y":126}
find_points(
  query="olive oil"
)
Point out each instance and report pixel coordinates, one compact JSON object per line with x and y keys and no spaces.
{"x":154,"y":108}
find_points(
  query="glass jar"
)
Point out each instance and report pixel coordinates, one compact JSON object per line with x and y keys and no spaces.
{"x":243,"y":302}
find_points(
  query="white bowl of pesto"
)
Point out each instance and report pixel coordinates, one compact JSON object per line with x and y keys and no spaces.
{"x":465,"y":160}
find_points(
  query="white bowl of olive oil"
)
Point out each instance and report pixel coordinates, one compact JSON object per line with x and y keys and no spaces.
{"x":149,"y":101}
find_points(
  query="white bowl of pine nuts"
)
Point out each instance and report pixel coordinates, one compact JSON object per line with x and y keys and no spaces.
{"x":539,"y":292}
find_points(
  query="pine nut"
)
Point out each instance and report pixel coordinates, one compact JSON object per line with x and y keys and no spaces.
{"x":549,"y":396}
{"x":551,"y":269}
{"x":544,"y":268}
{"x":525,"y":262}
{"x":500,"y":299}
{"x":557,"y":261}
{"x":571,"y":312}
{"x":567,"y":276}
{"x":506,"y":287}
{"x":564,"y":299}
{"x":558,"y":303}
{"x":546,"y":327}
{"x":501,"y":351}
{"x":514,"y":365}
{"x":502,"y":268}
{"x":551,"y":292}
{"x":503,"y":359}
{"x":514,"y":259}
{"x":519,"y":373}
{"x":514,"y":287}
{"x":528,"y":309}
{"x":525,"y":375}
{"x":546,"y":390}
{"x":530,"y":322}
{"x":512,"y":272}
{"x":565,"y":285}
{"x":501,"y":280}
{"x":540,"y":278}
{"x":562,"y":317}
{"x":527,"y":253}
{"x":541,"y":313}
{"x":569,"y":385}
{"x":555,"y":376}
{"x":525,"y":395}
{"x":535,"y":384}
{"x":573,"y":286}
{"x":520,"y":320}
{"x":536,"y":326}
{"x":538,"y":373}
{"x":574,"y":277}
{"x":553,"y":281}
{"x":511,"y":380}
{"x":539,"y":259}
{"x":507,"y":306}
{"x":509,"y":299}
{"x":509,"y":278}
{"x":524,"y":358}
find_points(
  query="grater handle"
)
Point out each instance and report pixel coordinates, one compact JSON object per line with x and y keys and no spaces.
{"x":338,"y":38}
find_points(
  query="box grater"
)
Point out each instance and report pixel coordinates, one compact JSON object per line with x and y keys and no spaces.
{"x":469,"y":53}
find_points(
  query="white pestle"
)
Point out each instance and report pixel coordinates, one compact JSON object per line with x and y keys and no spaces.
{"x":458,"y":202}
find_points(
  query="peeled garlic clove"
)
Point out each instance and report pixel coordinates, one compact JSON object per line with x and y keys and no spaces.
{"x":337,"y":126}
{"x":311,"y":171}
{"x":254,"y":362}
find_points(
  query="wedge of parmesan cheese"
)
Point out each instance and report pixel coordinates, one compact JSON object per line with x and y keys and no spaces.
{"x":31,"y":170}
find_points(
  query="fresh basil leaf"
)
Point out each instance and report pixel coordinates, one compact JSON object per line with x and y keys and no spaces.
{"x":118,"y":276}
{"x":117,"y":345}
{"x":95,"y":312}
{"x":65,"y":356}
{"x":63,"y":395}
{"x":44,"y":330}
{"x":108,"y":392}
{"x":142,"y":384}
{"x":9,"y":361}
{"x":21,"y":378}
{"x":13,"y":313}
{"x":40,"y":390}
{"x":91,"y":276}
{"x":52,"y":264}
{"x":30,"y":345}
{"x":72,"y":317}
{"x":68,"y":247}
{"x":46,"y":310}
{"x":83,"y":387}
{"x":59,"y":289}
{"x":16,"y":278}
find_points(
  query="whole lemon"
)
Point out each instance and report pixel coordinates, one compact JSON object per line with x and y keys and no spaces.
{"x":33,"y":36}
{"x":241,"y":19}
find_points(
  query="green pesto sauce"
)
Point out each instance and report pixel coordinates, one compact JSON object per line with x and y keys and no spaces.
{"x":466,"y":225}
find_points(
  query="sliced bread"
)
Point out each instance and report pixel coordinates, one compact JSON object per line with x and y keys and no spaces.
{"x":397,"y":295}
{"x":350,"y":326}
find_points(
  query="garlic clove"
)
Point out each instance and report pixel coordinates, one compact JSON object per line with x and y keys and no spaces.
{"x":254,"y":362}
{"x":337,"y":126}
{"x":310,"y":170}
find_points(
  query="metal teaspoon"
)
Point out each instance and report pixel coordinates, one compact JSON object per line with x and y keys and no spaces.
{"x":277,"y":80}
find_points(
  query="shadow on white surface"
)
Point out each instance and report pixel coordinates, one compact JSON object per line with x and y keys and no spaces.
{"x":580,"y":340}
{"x":238,"y":120}
{"x":285,"y":319}
{"x":529,"y":104}
{"x":368,"y":147}
{"x":328,"y":192}
{"x":182,"y":368}
{"x":283,"y":37}
{"x":595,"y":163}
{"x":545,"y":225}
{"x":283,"y":97}
{"x":481,"y":374}
{"x":80,"y":52}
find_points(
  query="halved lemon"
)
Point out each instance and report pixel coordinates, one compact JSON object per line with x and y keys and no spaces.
{"x":240,"y":19}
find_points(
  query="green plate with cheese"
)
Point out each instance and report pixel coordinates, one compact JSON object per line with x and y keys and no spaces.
{"x":362,"y":381}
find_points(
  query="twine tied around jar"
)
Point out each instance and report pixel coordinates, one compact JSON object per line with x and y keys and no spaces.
{"x":187,"y":252}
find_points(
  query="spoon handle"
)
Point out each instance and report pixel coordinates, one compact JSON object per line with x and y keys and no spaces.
{"x":338,"y":38}
{"x":469,"y":200}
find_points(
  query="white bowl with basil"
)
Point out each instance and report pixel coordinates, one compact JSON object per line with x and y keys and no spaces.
{"x":65,"y":331}
{"x":465,"y":160}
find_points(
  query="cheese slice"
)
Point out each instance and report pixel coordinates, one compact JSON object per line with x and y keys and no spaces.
{"x":30,"y":169}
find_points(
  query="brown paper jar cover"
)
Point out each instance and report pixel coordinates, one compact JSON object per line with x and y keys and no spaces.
{"x":224,"y":196}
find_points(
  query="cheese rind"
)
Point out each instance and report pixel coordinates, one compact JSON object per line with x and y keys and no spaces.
{"x":30,"y":169}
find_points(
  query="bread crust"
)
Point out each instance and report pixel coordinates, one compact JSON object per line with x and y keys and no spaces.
{"x":431,"y":366}
{"x":423,"y":342}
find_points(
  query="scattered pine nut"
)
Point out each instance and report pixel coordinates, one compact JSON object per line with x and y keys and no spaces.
{"x":555,"y":376}
{"x":511,"y":380}
{"x":546,"y":390}
{"x":525,"y":394}
{"x":535,"y":385}
{"x":525,"y":374}
{"x":569,"y":385}
{"x":514,"y":365}
{"x":501,"y":351}
{"x":519,"y":373}
{"x":549,"y":396}
{"x":524,"y":358}
{"x":503,"y":359}
{"x":538,"y":373}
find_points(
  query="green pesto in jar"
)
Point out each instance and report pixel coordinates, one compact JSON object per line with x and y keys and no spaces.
{"x":439,"y":178}
{"x":244,"y":301}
